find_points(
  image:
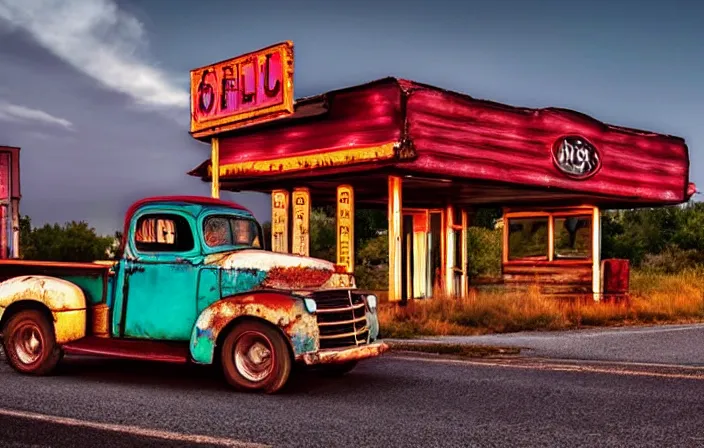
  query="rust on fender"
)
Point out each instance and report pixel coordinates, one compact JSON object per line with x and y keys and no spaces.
{"x":285,"y":312}
{"x":63,"y":299}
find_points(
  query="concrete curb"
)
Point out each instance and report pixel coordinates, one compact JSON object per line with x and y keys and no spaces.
{"x":450,"y":349}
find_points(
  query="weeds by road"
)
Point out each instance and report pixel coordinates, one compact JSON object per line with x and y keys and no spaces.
{"x":655,"y":298}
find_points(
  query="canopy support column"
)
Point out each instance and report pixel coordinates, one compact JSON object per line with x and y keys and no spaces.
{"x":345,"y":227}
{"x":449,"y":258}
{"x":596,"y":253}
{"x":394,"y":234}
{"x":279,"y":221}
{"x":464,"y":289}
{"x":300,"y":238}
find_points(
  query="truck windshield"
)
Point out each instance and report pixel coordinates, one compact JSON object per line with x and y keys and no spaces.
{"x":232,"y":231}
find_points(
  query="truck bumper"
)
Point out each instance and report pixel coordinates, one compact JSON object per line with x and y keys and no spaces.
{"x":335,"y":356}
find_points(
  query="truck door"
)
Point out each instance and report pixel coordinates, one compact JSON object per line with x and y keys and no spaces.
{"x":161,"y":280}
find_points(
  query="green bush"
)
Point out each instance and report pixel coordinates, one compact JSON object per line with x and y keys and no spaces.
{"x":484,"y":251}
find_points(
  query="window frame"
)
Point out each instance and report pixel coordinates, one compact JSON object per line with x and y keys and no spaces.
{"x":229,"y":214}
{"x":164,"y":256}
{"x":551,"y":215}
{"x":584,"y":214}
{"x":549,"y":228}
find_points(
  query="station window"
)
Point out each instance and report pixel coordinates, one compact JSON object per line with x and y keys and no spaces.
{"x":528,"y":238}
{"x":163,"y":233}
{"x":573,"y":237}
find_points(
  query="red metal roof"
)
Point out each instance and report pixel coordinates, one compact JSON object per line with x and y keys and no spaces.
{"x":442,"y":134}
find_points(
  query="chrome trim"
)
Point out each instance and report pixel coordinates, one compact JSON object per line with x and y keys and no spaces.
{"x":346,"y":335}
{"x":342,"y":322}
{"x":340,"y":310}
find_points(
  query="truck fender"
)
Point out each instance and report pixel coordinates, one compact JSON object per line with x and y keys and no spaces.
{"x":64,"y":300}
{"x":281,"y":310}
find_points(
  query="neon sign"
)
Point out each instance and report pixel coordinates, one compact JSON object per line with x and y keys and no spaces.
{"x":576,"y":157}
{"x":242,"y":91}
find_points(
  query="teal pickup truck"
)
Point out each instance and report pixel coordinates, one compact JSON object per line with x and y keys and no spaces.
{"x":191,"y":283}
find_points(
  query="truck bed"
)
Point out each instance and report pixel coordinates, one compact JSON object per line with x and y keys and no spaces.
{"x":92,"y":278}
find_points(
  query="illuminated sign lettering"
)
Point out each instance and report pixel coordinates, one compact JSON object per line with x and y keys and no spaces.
{"x":301,"y":222}
{"x":345,"y":227}
{"x":279,"y":221}
{"x":242,"y":91}
{"x":576,"y":157}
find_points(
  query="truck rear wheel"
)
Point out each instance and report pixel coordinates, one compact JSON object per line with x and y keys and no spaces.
{"x":30,"y":344}
{"x":255,"y":356}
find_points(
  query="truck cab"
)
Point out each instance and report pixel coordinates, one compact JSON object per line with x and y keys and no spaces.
{"x":192,"y":283}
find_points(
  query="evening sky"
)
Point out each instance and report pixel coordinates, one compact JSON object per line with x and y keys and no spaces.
{"x":95,"y":92}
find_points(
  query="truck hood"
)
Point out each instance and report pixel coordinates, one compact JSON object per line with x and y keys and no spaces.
{"x":256,"y":269}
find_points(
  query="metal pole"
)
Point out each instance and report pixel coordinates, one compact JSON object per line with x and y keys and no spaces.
{"x":215,"y":166}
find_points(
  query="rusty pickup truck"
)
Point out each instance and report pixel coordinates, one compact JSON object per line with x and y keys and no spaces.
{"x":191,"y":282}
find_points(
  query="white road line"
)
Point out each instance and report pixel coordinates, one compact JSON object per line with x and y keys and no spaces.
{"x":558,"y":367}
{"x":131,"y":430}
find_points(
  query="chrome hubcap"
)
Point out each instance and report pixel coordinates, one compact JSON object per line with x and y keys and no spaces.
{"x":254,"y":356}
{"x":28,"y":344}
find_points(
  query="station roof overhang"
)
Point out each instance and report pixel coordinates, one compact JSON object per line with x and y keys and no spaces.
{"x":451,"y":147}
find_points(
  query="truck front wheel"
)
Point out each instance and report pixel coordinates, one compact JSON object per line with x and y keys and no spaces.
{"x":30,"y":344}
{"x":256,"y":357}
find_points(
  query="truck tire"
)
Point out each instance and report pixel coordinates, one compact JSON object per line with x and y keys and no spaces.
{"x":30,"y":343}
{"x":255,"y":356}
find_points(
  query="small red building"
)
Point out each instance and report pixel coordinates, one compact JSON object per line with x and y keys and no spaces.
{"x":430,"y":157}
{"x":9,"y":201}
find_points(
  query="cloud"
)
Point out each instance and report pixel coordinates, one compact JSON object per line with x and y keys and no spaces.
{"x":13,"y":112}
{"x":101,"y":41}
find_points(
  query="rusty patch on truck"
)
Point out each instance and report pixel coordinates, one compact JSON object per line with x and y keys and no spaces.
{"x":285,"y":312}
{"x":297,"y":277}
{"x":345,"y":355}
{"x":58,"y":295}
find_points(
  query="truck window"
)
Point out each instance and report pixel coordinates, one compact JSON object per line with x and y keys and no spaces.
{"x":163,"y":233}
{"x":231,"y":231}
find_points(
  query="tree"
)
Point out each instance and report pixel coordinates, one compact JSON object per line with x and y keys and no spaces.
{"x":663,"y":239}
{"x":372,"y":263}
{"x":323,"y":242}
{"x":486,"y":217}
{"x":74,"y":241}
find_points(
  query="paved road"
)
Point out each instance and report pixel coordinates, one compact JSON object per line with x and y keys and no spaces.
{"x":387,"y":402}
{"x":669,"y":344}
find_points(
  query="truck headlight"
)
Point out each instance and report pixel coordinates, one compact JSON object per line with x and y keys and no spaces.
{"x":371,"y":302}
{"x":311,"y":306}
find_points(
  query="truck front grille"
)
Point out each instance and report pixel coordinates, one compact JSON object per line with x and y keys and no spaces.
{"x":341,"y":318}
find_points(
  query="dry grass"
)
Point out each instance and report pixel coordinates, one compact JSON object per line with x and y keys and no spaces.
{"x":655,"y":298}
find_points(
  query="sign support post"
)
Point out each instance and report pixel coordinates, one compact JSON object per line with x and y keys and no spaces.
{"x":215,"y":167}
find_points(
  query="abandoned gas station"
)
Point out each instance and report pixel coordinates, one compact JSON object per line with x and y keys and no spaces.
{"x":431,"y":157}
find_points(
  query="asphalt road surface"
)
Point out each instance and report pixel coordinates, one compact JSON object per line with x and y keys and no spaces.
{"x":663,"y":344}
{"x":397,"y":400}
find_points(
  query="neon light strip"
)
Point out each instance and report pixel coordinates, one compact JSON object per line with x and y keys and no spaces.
{"x":299,"y":163}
